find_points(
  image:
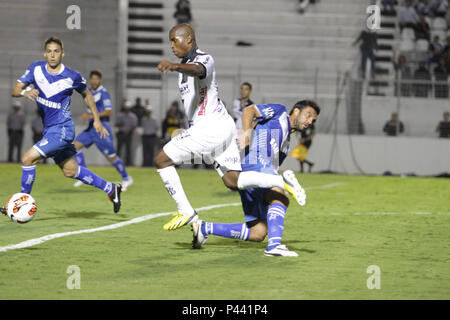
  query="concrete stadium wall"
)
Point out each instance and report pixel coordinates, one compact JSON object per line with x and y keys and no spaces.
{"x":376,"y":155}
{"x":420,"y":116}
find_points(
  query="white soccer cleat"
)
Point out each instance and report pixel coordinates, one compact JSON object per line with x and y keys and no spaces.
{"x":280,"y":251}
{"x":78,"y":183}
{"x":199,"y":238}
{"x":292,"y":186}
{"x":127,"y":183}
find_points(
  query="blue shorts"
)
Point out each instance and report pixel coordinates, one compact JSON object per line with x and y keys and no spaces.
{"x":90,"y":136}
{"x":253,"y":204}
{"x":57,"y":142}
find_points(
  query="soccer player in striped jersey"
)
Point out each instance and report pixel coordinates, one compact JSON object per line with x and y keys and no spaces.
{"x":212,"y":133}
{"x":90,"y":135}
{"x":53,"y":84}
{"x":268,"y":145}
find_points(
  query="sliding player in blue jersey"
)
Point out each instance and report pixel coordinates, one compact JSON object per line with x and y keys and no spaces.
{"x":90,"y":135}
{"x":266,"y":140}
{"x":53,"y":85}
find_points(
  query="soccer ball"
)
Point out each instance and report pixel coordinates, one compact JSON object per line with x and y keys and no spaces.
{"x":21,"y":208}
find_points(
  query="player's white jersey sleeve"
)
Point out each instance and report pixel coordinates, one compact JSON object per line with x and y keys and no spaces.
{"x":207,"y":61}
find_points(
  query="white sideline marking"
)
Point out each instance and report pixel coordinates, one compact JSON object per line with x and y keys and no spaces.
{"x":36,"y":241}
{"x":331,"y":185}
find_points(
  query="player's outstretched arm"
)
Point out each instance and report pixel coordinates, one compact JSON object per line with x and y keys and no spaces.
{"x":20,"y":90}
{"x":190,"y":69}
{"x":89,"y":100}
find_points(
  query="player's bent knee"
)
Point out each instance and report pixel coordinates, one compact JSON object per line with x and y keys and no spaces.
{"x":257,"y":236}
{"x":69,"y":173}
{"x":230,"y":180}
{"x":258,"y":231}
{"x":28,"y":159}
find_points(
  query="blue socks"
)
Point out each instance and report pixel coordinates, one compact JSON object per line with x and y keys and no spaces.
{"x":120,"y":167}
{"x":88,"y":177}
{"x":275,"y":224}
{"x":228,"y":230}
{"x":28,"y":176}
{"x":118,"y":164}
{"x":83,"y":174}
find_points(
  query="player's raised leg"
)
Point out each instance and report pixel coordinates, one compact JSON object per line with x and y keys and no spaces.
{"x":71,"y":169}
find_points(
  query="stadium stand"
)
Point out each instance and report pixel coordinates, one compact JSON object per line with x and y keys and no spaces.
{"x":94,"y":46}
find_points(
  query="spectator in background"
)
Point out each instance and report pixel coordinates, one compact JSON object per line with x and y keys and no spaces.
{"x":302,"y":5}
{"x":422,"y":73}
{"x":394,"y":126}
{"x":37,"y":127}
{"x":443,"y":128}
{"x":402,"y":72}
{"x":434,"y":51}
{"x":388,"y":5}
{"x":183,"y":11}
{"x":171,"y":122}
{"x":242,"y":102}
{"x":423,"y":8}
{"x":149,"y":138}
{"x":139,"y":110}
{"x":439,"y":7}
{"x":368,"y":45}
{"x":446,"y":49}
{"x":441,"y":74}
{"x":407,"y":16}
{"x":15,"y":124}
{"x":446,"y":57}
{"x":422,"y":30}
{"x":126,"y":121}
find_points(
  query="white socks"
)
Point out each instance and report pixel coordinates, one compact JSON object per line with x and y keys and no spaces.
{"x":173,"y":185}
{"x":253,"y":179}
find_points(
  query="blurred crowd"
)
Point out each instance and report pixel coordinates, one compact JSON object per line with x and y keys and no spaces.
{"x":424,"y":50}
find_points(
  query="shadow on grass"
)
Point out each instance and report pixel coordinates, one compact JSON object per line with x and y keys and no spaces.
{"x":243,"y":245}
{"x":73,"y":190}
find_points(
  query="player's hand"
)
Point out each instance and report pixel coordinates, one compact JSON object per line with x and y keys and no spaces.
{"x":101,"y":129}
{"x":32,"y":94}
{"x":165,"y":66}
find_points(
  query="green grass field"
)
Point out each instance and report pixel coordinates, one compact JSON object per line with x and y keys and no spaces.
{"x":399,"y":224}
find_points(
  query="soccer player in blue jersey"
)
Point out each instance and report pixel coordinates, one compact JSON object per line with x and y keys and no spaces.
{"x":90,"y":135}
{"x":267,"y":142}
{"x":53,"y":84}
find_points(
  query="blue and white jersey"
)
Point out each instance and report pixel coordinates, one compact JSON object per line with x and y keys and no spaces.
{"x":102,"y":101}
{"x":55,"y":91}
{"x":269,"y":143}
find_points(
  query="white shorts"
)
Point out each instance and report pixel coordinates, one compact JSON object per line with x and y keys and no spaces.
{"x":212,"y":140}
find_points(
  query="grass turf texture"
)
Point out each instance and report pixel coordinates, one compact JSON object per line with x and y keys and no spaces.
{"x":398,"y":224}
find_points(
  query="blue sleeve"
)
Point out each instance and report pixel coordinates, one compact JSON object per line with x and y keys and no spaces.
{"x":106,"y":99}
{"x":28,"y":77}
{"x":79,"y":83}
{"x":269,"y":111}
